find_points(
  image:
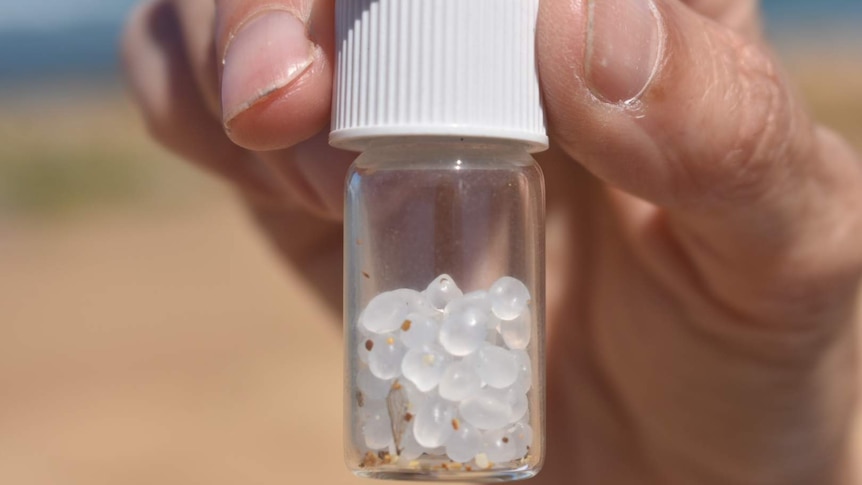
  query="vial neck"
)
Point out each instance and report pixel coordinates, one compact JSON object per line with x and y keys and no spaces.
{"x":448,"y":145}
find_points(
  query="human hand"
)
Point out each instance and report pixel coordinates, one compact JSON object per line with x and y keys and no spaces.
{"x":703,"y":233}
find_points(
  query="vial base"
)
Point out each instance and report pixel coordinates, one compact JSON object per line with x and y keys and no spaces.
{"x":453,"y":472}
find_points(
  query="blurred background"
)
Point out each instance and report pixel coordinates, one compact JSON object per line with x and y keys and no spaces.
{"x":147,"y":333}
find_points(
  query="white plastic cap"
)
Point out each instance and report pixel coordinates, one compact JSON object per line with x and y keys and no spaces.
{"x":444,"y":68}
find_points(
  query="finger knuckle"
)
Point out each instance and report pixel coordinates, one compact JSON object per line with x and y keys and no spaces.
{"x":150,"y":43}
{"x":759,"y":143}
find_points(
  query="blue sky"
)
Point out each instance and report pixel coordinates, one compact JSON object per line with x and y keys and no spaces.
{"x":34,"y":15}
{"x":50,"y":14}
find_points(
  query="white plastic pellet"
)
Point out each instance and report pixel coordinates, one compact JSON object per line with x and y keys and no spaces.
{"x":499,"y":447}
{"x":522,"y":435}
{"x":441,"y":291}
{"x":486,"y":410}
{"x":384,"y":358}
{"x":516,"y":332}
{"x":371,"y":386}
{"x":424,"y":367}
{"x":519,"y":403}
{"x":524,"y":381}
{"x":387,"y":311}
{"x":433,"y":424}
{"x":465,"y":325}
{"x":509,"y":297}
{"x":376,"y":427}
{"x":459,"y":381}
{"x":498,"y":367}
{"x":419,"y":330}
{"x":464,"y":444}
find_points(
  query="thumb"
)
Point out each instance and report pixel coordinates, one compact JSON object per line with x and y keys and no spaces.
{"x":275,"y":69}
{"x":665,"y":103}
{"x":685,"y":113}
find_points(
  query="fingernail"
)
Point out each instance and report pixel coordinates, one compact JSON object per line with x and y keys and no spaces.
{"x":266,"y":54}
{"x":623,"y":43}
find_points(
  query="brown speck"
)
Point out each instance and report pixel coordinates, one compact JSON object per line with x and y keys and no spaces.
{"x":390,"y":341}
{"x":396,"y":385}
{"x":406,"y":325}
{"x":444,"y":466}
{"x":456,"y":424}
{"x":370,"y":459}
{"x":468,"y":468}
{"x":505,"y":439}
{"x":369,"y":344}
{"x":385,"y":457}
{"x":360,"y":399}
{"x":408,"y":417}
{"x":366,"y":274}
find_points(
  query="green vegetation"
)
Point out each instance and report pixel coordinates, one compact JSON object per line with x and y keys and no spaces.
{"x":43,"y":181}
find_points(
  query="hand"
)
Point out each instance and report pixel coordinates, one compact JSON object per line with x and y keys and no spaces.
{"x":703,"y":233}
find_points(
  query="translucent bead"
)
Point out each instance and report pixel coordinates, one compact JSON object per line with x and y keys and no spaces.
{"x":372,"y":387}
{"x":509,"y":297}
{"x":376,"y":427}
{"x":519,"y":403}
{"x":465,"y":325}
{"x":419,"y":330}
{"x":433,"y":424}
{"x":487,"y":409}
{"x":441,"y":291}
{"x":459,"y":381}
{"x":478,"y":299}
{"x":496,"y":366}
{"x":410,"y":448}
{"x":516,"y":332}
{"x":494,"y":337}
{"x":499,"y":447}
{"x":424,"y":366}
{"x":415,"y":398}
{"x":387,"y":311}
{"x":438,"y":451}
{"x":522,"y":436}
{"x":525,"y":372}
{"x":384,"y":356}
{"x":464,"y":444}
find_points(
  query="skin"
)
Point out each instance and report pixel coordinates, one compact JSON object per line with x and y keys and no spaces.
{"x":704,"y":238}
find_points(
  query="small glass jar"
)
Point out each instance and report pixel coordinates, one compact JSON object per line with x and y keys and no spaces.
{"x":444,"y":310}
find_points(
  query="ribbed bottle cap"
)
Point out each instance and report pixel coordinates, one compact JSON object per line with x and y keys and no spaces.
{"x":450,"y":68}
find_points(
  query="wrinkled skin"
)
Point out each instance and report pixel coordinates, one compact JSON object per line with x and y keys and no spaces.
{"x":704,"y":236}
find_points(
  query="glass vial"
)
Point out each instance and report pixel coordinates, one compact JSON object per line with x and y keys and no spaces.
{"x":444,"y":292}
{"x":444,"y":238}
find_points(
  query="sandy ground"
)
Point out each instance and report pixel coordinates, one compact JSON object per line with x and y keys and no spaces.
{"x":148,"y":335}
{"x":163,"y":350}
